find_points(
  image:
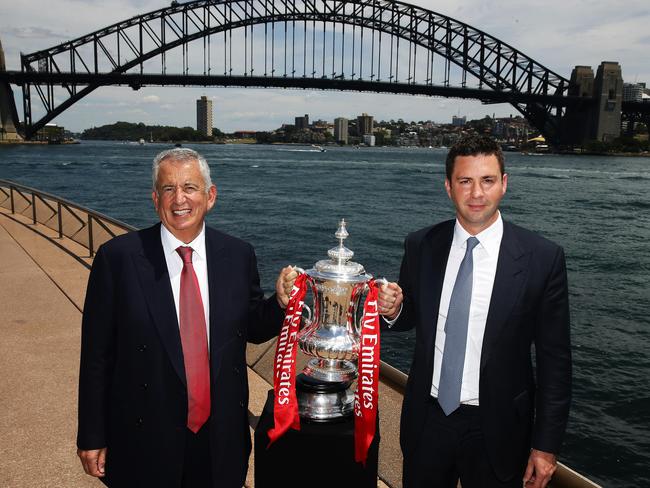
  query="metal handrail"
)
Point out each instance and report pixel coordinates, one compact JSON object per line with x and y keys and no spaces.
{"x":10,"y":188}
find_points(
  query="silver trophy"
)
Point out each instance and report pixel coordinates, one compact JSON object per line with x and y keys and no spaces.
{"x":331,"y":336}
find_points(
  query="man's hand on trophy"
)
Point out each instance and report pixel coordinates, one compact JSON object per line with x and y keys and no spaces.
{"x":390,"y":300}
{"x":284,"y":284}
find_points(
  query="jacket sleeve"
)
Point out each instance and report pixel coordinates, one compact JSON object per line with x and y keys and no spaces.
{"x":406,"y":318}
{"x":266,"y":315}
{"x":553,"y":359}
{"x":97,"y":355}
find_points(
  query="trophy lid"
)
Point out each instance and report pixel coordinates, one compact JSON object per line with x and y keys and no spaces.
{"x":339,"y":263}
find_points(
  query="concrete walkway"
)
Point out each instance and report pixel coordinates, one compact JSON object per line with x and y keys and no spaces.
{"x":41,"y":291}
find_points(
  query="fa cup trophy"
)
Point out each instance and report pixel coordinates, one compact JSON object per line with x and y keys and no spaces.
{"x":332,"y":336}
{"x":337,"y":337}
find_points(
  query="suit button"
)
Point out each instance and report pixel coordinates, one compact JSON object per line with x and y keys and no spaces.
{"x":239,"y":333}
{"x":235,"y":369}
{"x":241,"y":403}
{"x":139,"y":422}
{"x":142,"y":347}
{"x":144,"y":386}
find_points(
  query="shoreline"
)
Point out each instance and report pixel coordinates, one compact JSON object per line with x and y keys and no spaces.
{"x":330,"y":144}
{"x":253,"y":142}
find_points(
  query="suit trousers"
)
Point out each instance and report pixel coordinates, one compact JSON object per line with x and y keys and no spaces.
{"x":197,"y":465}
{"x":452,"y":448}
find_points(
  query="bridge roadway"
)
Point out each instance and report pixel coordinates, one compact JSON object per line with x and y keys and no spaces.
{"x":42,"y":286}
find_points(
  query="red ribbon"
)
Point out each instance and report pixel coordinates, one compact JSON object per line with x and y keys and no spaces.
{"x":285,"y":409}
{"x":365,"y":398}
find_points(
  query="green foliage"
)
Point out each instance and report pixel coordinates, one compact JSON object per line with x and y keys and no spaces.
{"x":623,"y":144}
{"x":127,"y":131}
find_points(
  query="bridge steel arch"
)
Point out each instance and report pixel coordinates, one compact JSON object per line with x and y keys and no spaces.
{"x":118,"y":53}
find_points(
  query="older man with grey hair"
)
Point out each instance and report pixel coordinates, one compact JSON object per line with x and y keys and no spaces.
{"x":163,"y":389}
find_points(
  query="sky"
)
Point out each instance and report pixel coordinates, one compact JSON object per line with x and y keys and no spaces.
{"x":558,"y":34}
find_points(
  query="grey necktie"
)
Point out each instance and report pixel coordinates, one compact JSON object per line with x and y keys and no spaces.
{"x":453,"y":359}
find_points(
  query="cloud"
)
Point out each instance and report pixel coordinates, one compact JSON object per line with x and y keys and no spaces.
{"x":33,"y":33}
{"x":151,"y":99}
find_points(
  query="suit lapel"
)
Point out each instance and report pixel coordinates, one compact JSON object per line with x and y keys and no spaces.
{"x":508,"y":283}
{"x":218,"y":274}
{"x":154,"y":279}
{"x":433,"y":259}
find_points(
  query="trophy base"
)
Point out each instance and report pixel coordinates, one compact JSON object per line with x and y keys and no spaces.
{"x":324,"y":402}
{"x":331,"y":370}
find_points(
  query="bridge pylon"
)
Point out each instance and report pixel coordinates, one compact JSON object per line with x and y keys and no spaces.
{"x":599,"y":121}
{"x":8,"y":112}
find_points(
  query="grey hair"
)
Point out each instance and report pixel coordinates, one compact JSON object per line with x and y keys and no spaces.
{"x":181,"y":154}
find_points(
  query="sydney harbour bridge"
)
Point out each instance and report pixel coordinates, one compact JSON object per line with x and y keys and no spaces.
{"x":380,"y":46}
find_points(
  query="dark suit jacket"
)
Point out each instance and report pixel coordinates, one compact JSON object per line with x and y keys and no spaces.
{"x":529,"y":304}
{"x":132,"y":389}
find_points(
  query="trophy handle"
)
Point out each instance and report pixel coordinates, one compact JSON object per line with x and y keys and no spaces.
{"x":307,"y":320}
{"x":378,"y":282}
{"x":381,"y":281}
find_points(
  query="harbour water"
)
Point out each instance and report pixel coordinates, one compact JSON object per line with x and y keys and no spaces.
{"x":287,"y":201}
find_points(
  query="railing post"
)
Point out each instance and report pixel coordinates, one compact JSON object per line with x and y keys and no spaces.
{"x":58,"y":210}
{"x":11,"y":194}
{"x":90,"y":235}
{"x":34,"y":207}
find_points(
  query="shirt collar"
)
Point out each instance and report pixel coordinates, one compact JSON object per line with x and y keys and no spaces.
{"x":489,"y":239}
{"x":170,"y":242}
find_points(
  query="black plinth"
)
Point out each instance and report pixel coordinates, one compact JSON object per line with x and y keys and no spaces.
{"x":321,"y":454}
{"x":309,"y":384}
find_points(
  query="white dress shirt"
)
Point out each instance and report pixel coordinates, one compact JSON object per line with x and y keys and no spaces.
{"x":175,"y":265}
{"x":485,"y":256}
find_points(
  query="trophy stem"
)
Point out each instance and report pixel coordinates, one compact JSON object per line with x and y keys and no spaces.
{"x":324,"y":402}
{"x":331,"y":370}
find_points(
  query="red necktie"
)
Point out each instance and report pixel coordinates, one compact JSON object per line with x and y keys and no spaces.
{"x":195,"y":344}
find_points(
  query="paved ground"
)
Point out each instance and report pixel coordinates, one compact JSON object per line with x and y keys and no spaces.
{"x":41,"y":297}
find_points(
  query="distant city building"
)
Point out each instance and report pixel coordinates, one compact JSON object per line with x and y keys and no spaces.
{"x":51,"y":133}
{"x":341,"y":130}
{"x":633,"y":92}
{"x":364,"y":124}
{"x":302,"y":122}
{"x":512,"y":129}
{"x":646,"y":92}
{"x":204,"y":116}
{"x":458,"y":121}
{"x":369,"y":140}
{"x":382,"y":136}
{"x":321,"y":126}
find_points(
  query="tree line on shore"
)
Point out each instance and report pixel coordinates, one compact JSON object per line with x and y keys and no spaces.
{"x":127,"y":131}
{"x":428,"y":134}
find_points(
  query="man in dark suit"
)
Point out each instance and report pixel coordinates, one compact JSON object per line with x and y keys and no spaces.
{"x":480,"y":292}
{"x":163,"y":390}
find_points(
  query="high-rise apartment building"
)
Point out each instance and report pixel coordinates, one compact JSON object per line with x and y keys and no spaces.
{"x":458,"y":121}
{"x":204,"y":116}
{"x":341,"y":130}
{"x":302,"y":122}
{"x":633,"y":92}
{"x":365,"y":124}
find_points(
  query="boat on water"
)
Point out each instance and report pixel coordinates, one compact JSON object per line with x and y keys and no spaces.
{"x":141,"y":142}
{"x":319,"y":148}
{"x":40,"y":225}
